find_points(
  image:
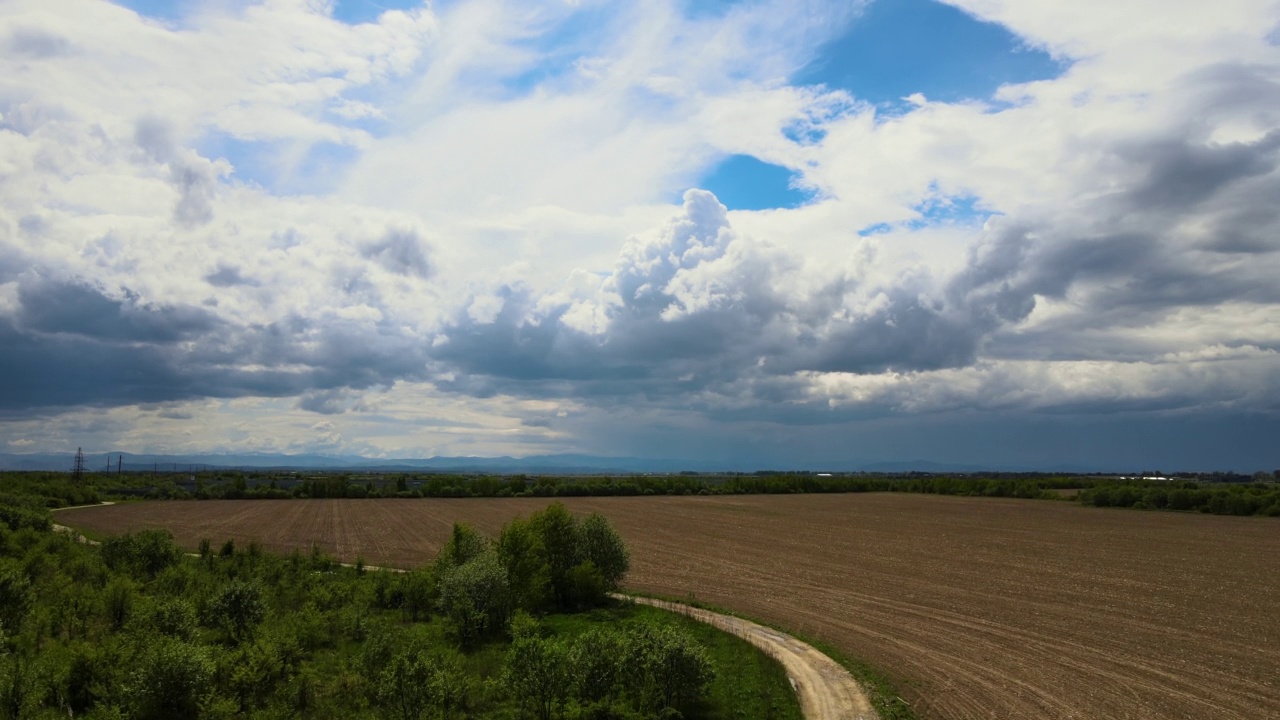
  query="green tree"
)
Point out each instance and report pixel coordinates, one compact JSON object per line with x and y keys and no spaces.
{"x":416,"y":593}
{"x":602,"y":545}
{"x":174,"y":617}
{"x":16,"y":598}
{"x":463,"y":545}
{"x":414,"y":682}
{"x":596,"y":659}
{"x":238,"y":608}
{"x":171,"y":680}
{"x":521,"y":553}
{"x":557,"y":532}
{"x":475,"y":598}
{"x":536,"y":673}
{"x":118,"y":598}
{"x":671,"y":668}
{"x":143,"y":554}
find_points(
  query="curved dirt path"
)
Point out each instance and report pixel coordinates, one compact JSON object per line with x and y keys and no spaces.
{"x":825,"y":689}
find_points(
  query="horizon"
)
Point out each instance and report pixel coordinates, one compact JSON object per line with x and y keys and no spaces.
{"x":751,"y":232}
{"x":563,"y":464}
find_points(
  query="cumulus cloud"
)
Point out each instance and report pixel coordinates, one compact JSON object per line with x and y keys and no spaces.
{"x":496,"y":229}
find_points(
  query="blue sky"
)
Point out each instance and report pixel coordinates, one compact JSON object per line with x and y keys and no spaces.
{"x":766,"y":229}
{"x":896,"y":49}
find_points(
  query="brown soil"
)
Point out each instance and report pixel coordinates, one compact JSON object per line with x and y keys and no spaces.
{"x":977,"y":608}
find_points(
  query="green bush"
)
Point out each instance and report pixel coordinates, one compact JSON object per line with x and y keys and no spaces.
{"x":172,"y":679}
{"x":144,"y":554}
{"x":238,"y":608}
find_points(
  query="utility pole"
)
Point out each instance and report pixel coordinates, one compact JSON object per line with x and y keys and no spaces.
{"x":77,"y":470}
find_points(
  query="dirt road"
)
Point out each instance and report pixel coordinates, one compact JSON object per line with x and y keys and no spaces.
{"x":826,"y":690}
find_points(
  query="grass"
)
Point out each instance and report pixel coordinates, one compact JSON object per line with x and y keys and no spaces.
{"x":880,"y":689}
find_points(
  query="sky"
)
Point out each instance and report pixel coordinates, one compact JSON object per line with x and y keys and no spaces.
{"x":770,"y":232}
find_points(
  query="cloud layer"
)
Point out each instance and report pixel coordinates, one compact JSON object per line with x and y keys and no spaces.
{"x":475,"y":227}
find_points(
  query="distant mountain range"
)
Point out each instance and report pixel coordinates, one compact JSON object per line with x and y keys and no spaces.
{"x":567,"y":464}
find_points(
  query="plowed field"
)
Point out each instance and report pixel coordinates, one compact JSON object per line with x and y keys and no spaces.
{"x":978,"y":608}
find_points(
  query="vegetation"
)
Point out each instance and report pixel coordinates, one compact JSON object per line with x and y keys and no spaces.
{"x":1188,"y":496}
{"x":1217,"y":493}
{"x":135,"y":628}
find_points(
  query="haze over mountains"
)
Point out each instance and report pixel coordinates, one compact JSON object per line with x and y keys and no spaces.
{"x":563,"y":464}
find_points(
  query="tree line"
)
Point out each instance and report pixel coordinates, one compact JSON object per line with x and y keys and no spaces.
{"x":1217,"y":493}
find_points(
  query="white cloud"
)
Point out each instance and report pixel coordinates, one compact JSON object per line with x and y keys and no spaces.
{"x":506,"y":220}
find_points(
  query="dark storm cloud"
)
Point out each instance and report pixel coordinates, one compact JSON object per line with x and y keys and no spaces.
{"x":72,"y":345}
{"x":51,"y":306}
{"x":68,"y":370}
{"x":1182,"y":174}
{"x":1193,"y":233}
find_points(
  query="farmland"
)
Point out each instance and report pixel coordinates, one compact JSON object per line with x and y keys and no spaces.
{"x":977,"y":608}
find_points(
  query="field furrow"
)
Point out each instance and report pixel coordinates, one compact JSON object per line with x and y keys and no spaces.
{"x":977,"y":608}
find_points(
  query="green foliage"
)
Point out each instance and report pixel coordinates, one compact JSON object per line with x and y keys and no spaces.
{"x":464,"y":544}
{"x":115,"y":631}
{"x":671,"y":670}
{"x":415,"y":594}
{"x":475,"y":598}
{"x":603,"y":547}
{"x":144,"y":554}
{"x":118,"y":598}
{"x":172,"y":679}
{"x":174,"y":617}
{"x":537,"y":673}
{"x":238,"y":608}
{"x":555,"y":562}
{"x":1186,"y":496}
{"x":16,"y":599}
{"x":598,"y":657}
{"x":18,"y":517}
{"x":416,"y":681}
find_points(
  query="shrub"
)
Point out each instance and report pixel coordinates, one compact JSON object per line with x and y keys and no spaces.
{"x":118,"y":599}
{"x":144,"y":554}
{"x":16,"y":598}
{"x":237,"y":609}
{"x":171,"y":680}
{"x":173,"y":617}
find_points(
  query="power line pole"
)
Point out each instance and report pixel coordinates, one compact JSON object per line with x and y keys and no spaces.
{"x":77,"y":470}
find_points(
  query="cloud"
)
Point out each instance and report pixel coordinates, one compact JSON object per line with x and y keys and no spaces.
{"x":50,"y":306}
{"x":494,"y":228}
{"x":228,"y":276}
{"x":401,"y":252}
{"x":36,"y":44}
